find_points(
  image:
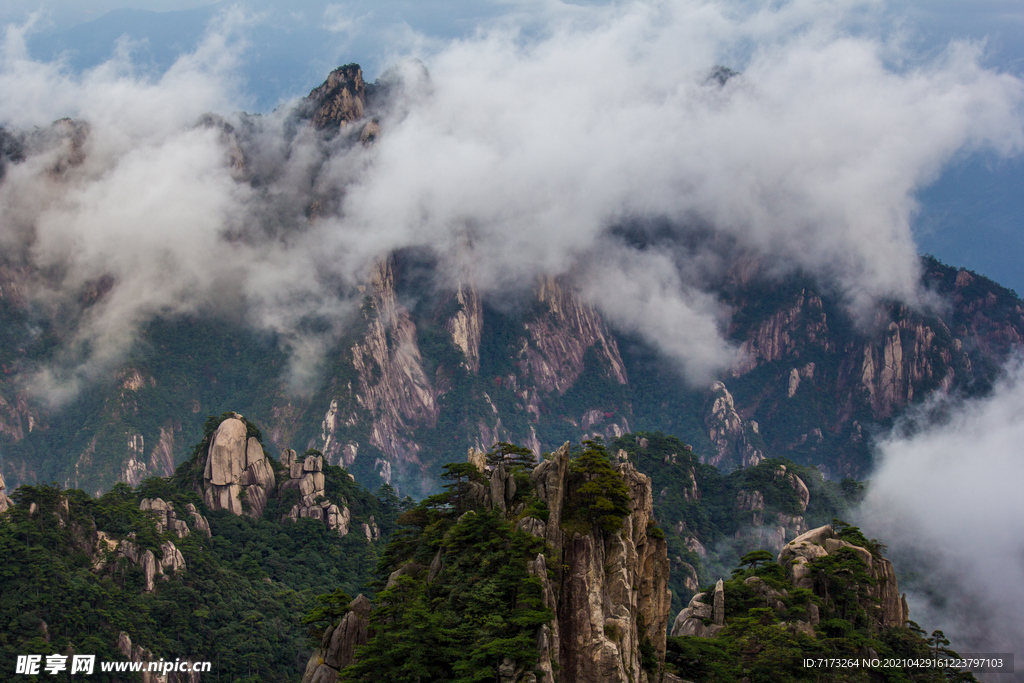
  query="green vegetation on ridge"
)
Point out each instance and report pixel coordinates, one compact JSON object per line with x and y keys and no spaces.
{"x":238,"y":602}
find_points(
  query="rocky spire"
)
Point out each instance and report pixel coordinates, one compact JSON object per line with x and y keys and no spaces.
{"x":238,"y":477}
{"x":340,"y":99}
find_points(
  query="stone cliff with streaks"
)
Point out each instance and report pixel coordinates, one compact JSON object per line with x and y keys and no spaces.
{"x":607,"y":590}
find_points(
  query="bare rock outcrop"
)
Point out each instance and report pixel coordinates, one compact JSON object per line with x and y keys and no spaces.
{"x":613,"y":593}
{"x":768,"y":528}
{"x":801,"y":324}
{"x":392,"y":390}
{"x":704,"y":617}
{"x":608,"y":590}
{"x":738,"y":442}
{"x":238,"y":476}
{"x":338,"y":645}
{"x":137,"y":653}
{"x":887,"y":604}
{"x":339,"y":100}
{"x":307,"y":476}
{"x":466,"y":324}
{"x":199,"y":523}
{"x":171,"y":560}
{"x":165,"y":516}
{"x":691,"y":620}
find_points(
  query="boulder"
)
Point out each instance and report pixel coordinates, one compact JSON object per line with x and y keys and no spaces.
{"x":171,"y":559}
{"x":690,"y":620}
{"x":227,"y":455}
{"x":238,"y":476}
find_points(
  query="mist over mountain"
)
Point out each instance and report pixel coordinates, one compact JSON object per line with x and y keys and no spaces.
{"x":687,"y":218}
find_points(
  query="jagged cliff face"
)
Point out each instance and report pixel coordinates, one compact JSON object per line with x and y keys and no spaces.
{"x":411,"y":385}
{"x":814,"y":381}
{"x":391,"y":391}
{"x":882,"y":600}
{"x":340,"y":100}
{"x":555,"y":359}
{"x":613,"y":590}
{"x":734,"y":438}
{"x":396,"y":392}
{"x":608,"y":591}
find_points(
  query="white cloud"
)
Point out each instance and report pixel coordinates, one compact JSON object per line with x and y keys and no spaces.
{"x":946,"y":498}
{"x":339,"y":19}
{"x":529,"y":143}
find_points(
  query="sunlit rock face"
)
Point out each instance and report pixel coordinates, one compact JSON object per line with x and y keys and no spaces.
{"x":5,"y":501}
{"x":340,"y":100}
{"x":238,"y":476}
{"x":613,"y":594}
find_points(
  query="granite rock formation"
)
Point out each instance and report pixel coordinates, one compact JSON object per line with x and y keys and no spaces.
{"x":736,"y":440}
{"x":887,"y":609}
{"x":307,"y":476}
{"x":338,"y":645}
{"x":5,"y":501}
{"x":237,"y":476}
{"x":888,"y":605}
{"x":610,"y":594}
{"x":340,"y":100}
{"x":171,"y":560}
{"x":165,"y":516}
{"x":607,"y":590}
{"x":134,"y":652}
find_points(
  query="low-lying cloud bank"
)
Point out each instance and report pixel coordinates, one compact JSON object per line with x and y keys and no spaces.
{"x":947,"y":499}
{"x":518,"y":157}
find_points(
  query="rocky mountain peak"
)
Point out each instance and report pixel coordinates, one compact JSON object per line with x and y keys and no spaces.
{"x":340,"y":99}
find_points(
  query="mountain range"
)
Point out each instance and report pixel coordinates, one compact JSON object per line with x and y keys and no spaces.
{"x":430,"y":366}
{"x":205,"y":450}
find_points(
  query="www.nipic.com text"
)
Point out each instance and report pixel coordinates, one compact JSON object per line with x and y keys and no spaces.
{"x":33,"y":665}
